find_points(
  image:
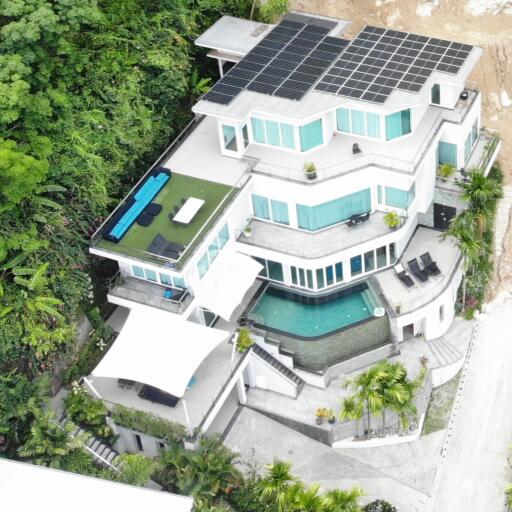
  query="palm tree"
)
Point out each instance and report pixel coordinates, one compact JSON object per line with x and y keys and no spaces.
{"x":49,"y":442}
{"x":480,"y":191}
{"x":339,"y":500}
{"x":304,"y":499}
{"x":274,"y":486}
{"x":352,"y":409}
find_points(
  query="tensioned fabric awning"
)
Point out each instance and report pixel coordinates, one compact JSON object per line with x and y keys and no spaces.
{"x":224,"y":285}
{"x":159,"y":349}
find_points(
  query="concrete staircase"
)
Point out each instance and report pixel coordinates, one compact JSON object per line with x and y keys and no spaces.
{"x":444,"y":352}
{"x":502,"y":220}
{"x":278,"y":366}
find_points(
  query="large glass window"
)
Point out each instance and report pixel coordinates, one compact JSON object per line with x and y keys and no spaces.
{"x":369,"y":261}
{"x":279,"y":212}
{"x":287,"y":136}
{"x":329,"y":275}
{"x":138,"y":271}
{"x":474,"y":131}
{"x":317,"y":217}
{"x":293,"y":271}
{"x":258,"y":130}
{"x":372,"y":125}
{"x":435,"y":94}
{"x":398,"y":124}
{"x":179,"y":282}
{"x":223,"y":236}
{"x":343,"y":119}
{"x":309,"y":275}
{"x":245,"y":135}
{"x":203,"y":265}
{"x":213,"y":250}
{"x":392,"y":253}
{"x":320,"y":278}
{"x":467,"y":147}
{"x":229,"y":135}
{"x":260,"y":207}
{"x":150,"y":275}
{"x":275,"y":270}
{"x":338,"y":268}
{"x":166,"y":279}
{"x":381,"y":257}
{"x":398,"y":197}
{"x":273,"y":137}
{"x":356,"y":265}
{"x":358,"y":124}
{"x":447,"y":153}
{"x":302,"y":277}
{"x":273,"y":133}
{"x":311,"y":135}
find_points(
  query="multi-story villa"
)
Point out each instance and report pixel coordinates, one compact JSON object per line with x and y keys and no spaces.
{"x":303,"y":200}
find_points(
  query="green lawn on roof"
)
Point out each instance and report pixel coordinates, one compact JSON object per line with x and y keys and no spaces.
{"x":177,"y":188}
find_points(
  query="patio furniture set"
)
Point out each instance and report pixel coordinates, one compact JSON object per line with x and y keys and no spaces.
{"x":150,"y":393}
{"x":429,"y":269}
{"x":354,"y":220}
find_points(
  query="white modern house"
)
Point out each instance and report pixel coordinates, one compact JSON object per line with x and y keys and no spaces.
{"x":270,"y":210}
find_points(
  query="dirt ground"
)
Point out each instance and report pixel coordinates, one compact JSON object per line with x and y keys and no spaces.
{"x":457,"y":20}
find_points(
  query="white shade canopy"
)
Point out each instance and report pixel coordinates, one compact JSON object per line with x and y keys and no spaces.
{"x":159,"y":349}
{"x":224,"y":285}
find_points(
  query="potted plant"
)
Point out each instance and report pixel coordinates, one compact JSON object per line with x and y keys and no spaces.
{"x":392,"y":219}
{"x":244,"y":341}
{"x":310,"y":170}
{"x":445,"y":171}
{"x":247,"y":231}
{"x":330,"y":416}
{"x":322,"y":413}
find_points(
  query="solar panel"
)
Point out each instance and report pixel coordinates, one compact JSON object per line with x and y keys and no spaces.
{"x":286,"y":63}
{"x":378,"y":61}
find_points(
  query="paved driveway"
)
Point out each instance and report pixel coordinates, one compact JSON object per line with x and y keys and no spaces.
{"x":475,"y":471}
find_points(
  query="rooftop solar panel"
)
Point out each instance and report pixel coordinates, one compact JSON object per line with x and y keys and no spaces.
{"x":378,"y":61}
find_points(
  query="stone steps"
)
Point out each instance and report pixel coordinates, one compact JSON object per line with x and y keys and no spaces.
{"x":444,"y":352}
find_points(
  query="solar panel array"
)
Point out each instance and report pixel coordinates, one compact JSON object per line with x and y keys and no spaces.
{"x":286,"y":63}
{"x":379,"y":61}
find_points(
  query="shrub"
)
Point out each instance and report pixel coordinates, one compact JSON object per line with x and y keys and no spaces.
{"x":379,"y":506}
{"x":80,"y":461}
{"x":392,"y":219}
{"x":136,"y":469}
{"x":148,"y":423}
{"x":244,"y":341}
{"x":272,"y":10}
{"x":247,"y":498}
{"x":446,"y":170}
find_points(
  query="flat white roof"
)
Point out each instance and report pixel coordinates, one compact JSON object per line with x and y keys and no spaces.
{"x":233,"y":35}
{"x":25,"y":486}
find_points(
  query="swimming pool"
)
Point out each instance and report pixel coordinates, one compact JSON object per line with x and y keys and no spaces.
{"x":288,"y":312}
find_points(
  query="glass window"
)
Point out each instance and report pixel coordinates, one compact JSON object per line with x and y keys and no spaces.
{"x":258,"y":130}
{"x":356,"y":265}
{"x":339,"y":271}
{"x":311,"y":135}
{"x":320,"y":278}
{"x":293,"y":271}
{"x":275,"y":270}
{"x":302,"y":277}
{"x":245,"y":135}
{"x":379,"y":194}
{"x":381,"y":257}
{"x":467,"y":146}
{"x":392,"y":253}
{"x":329,"y":275}
{"x":309,"y":274}
{"x":398,"y":124}
{"x":273,"y":137}
{"x":474,"y":131}
{"x":229,"y":134}
{"x":369,"y":261}
{"x":166,"y":279}
{"x":372,"y":125}
{"x":343,"y":119}
{"x":203,"y":265}
{"x":138,"y":271}
{"x":447,"y":153}
{"x":179,"y":282}
{"x":223,"y":236}
{"x":397,"y":197}
{"x":358,"y":123}
{"x":435,"y":94}
{"x":260,"y":207}
{"x":150,"y":275}
{"x":279,"y":212}
{"x":263,"y":271}
{"x":287,"y":136}
{"x":213,"y":250}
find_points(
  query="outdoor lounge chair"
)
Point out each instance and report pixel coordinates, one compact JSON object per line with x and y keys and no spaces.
{"x":429,"y":265}
{"x":144,"y":219}
{"x":403,"y":275}
{"x":153,"y":209}
{"x":157,"y":396}
{"x":414,"y":267}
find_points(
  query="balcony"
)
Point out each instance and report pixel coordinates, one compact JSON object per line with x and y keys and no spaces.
{"x":149,"y":294}
{"x":311,"y":245}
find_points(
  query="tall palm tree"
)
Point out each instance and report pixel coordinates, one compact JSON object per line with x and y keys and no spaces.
{"x":275,"y":484}
{"x":338,"y":500}
{"x":352,"y":409}
{"x":304,"y":499}
{"x":49,"y":442}
{"x":480,"y":191}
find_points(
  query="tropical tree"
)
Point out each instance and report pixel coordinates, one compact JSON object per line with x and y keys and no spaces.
{"x":339,"y":500}
{"x":480,"y":191}
{"x":48,"y":442}
{"x":275,"y":484}
{"x":379,"y":506}
{"x":352,"y":409}
{"x":136,"y":469}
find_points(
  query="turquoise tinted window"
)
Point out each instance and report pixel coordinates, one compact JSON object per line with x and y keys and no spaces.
{"x":213,"y":250}
{"x":311,"y":135}
{"x":260,"y":207}
{"x":138,"y":271}
{"x":223,"y":236}
{"x":358,"y":124}
{"x":258,"y":130}
{"x":338,"y":268}
{"x":287,"y":136}
{"x":356,"y":265}
{"x":372,"y":125}
{"x":309,"y":275}
{"x":202,"y":265}
{"x":447,"y":153}
{"x":279,"y":212}
{"x":229,"y":134}
{"x":343,"y":119}
{"x":329,"y":275}
{"x":320,"y":278}
{"x":379,"y":194}
{"x":166,"y":279}
{"x":150,"y":274}
{"x":179,"y":282}
{"x":273,"y":137}
{"x":397,"y":197}
{"x":275,"y":270}
{"x":332,"y":212}
{"x":398,"y":124}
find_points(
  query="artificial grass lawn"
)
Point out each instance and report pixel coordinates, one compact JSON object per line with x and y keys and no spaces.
{"x":178,"y":187}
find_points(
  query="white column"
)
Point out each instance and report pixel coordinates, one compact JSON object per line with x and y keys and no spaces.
{"x":242,"y":395}
{"x":221,"y":67}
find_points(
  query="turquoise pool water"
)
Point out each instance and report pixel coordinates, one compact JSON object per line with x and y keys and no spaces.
{"x":292,"y":313}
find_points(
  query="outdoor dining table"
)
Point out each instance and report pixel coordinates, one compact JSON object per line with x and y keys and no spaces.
{"x":188,"y":211}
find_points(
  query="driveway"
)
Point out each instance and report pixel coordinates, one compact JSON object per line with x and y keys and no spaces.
{"x":475,"y":471}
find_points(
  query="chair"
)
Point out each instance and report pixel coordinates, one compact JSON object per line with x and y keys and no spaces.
{"x":153,"y":209}
{"x":183,"y":200}
{"x":414,"y":267}
{"x":364,"y":216}
{"x":144,"y":219}
{"x":355,"y":148}
{"x":464,"y":95}
{"x":403,"y":275}
{"x":168,"y":293}
{"x":429,"y":265}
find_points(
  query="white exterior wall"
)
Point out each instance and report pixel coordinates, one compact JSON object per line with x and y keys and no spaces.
{"x":264,"y":376}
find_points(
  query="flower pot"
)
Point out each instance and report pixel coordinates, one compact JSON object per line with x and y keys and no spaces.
{"x":247,"y":234}
{"x":311,"y":175}
{"x":331,"y":420}
{"x":319,"y":421}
